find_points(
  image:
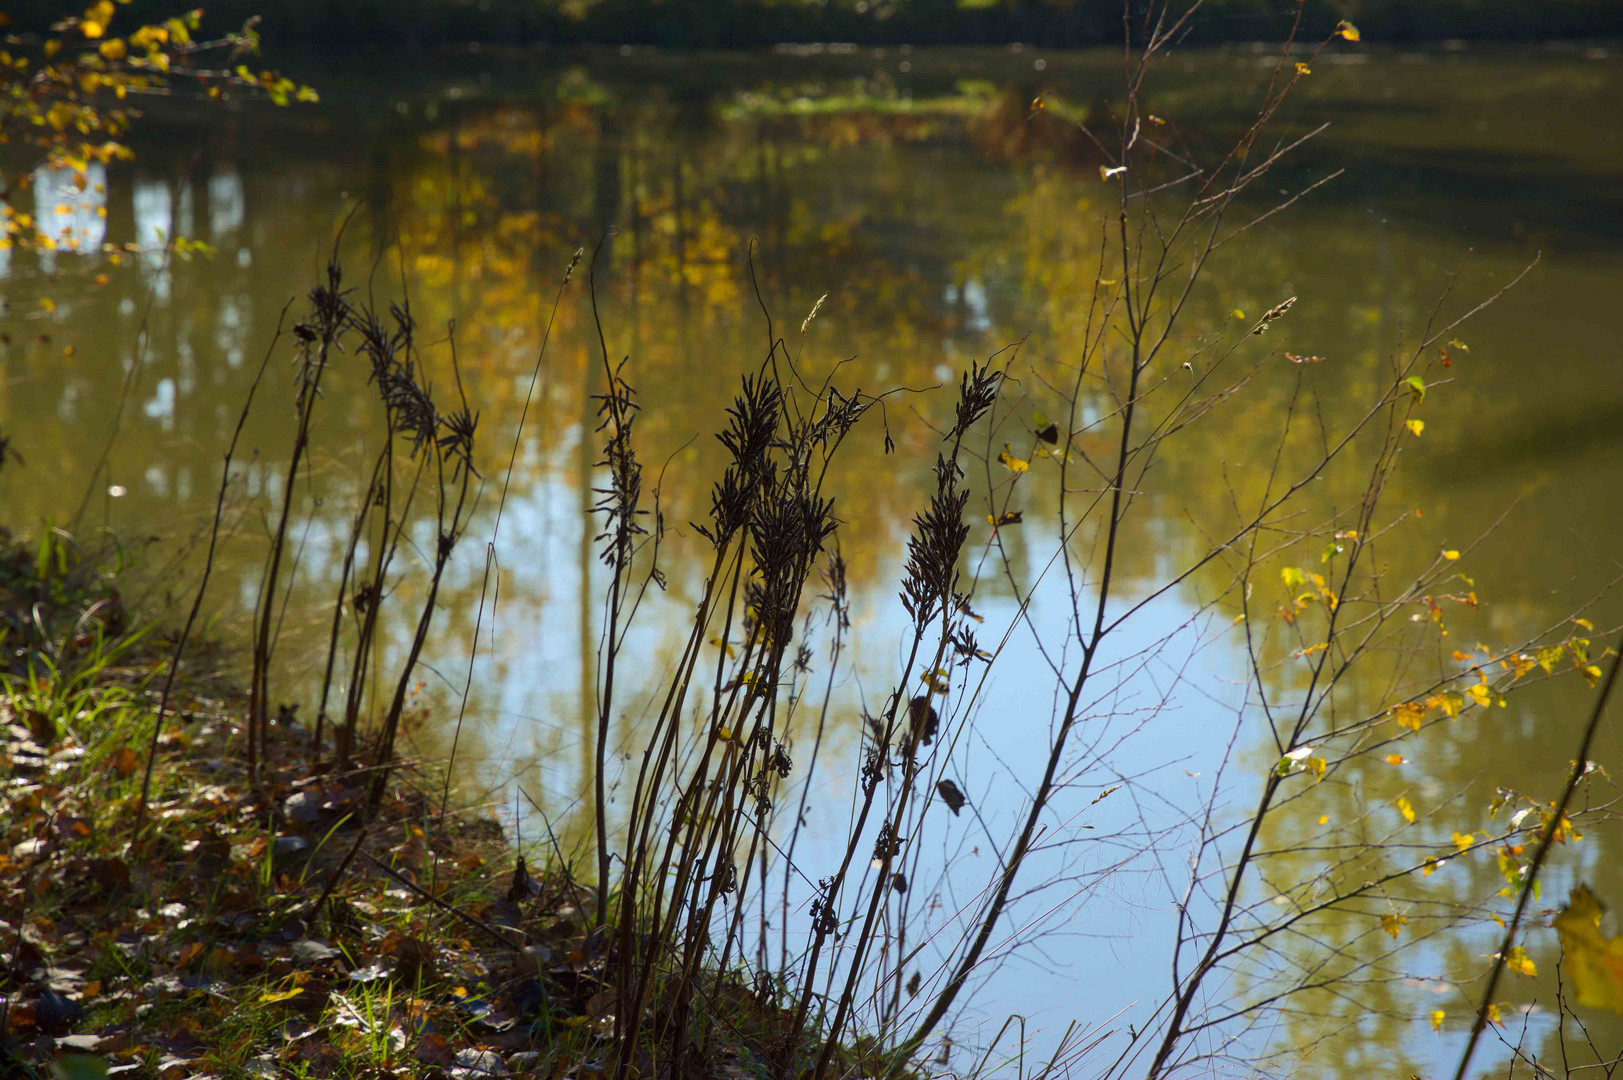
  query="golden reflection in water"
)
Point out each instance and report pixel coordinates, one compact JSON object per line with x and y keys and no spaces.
{"x":940,"y":232}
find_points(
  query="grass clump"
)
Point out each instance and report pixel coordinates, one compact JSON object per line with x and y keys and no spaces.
{"x":270,"y":928}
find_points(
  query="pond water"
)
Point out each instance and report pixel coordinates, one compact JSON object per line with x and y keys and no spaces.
{"x":940,"y":218}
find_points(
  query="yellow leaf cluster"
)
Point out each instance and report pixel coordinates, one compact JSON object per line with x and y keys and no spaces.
{"x":1391,"y":922}
{"x":1406,"y":808}
{"x":1518,"y":961}
{"x":1519,"y":664}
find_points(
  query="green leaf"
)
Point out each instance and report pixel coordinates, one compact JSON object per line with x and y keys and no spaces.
{"x":1417,"y":387}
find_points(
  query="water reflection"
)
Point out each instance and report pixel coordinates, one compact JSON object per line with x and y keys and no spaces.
{"x":943,"y":224}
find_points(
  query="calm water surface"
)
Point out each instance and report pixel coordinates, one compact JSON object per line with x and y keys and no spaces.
{"x":943,"y":222}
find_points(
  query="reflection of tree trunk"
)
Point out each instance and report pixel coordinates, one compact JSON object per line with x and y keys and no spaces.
{"x":456,"y":217}
{"x":120,"y":206}
{"x":198,"y":181}
{"x":634,"y":209}
{"x":606,"y":173}
{"x":766,"y":210}
{"x":679,"y":207}
{"x":780,"y":212}
{"x":584,"y":456}
{"x":380,"y":193}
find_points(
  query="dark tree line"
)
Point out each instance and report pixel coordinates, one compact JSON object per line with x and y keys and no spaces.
{"x":752,"y":23}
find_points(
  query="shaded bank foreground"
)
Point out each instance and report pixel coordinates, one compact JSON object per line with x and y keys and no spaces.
{"x":254,"y":928}
{"x":1039,"y":476}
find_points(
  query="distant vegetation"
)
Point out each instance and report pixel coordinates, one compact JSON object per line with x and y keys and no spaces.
{"x":751,"y":23}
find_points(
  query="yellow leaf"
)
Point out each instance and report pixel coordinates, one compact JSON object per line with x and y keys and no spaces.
{"x":148,"y":36}
{"x":1390,"y":924}
{"x":1303,"y":69}
{"x":97,"y":16}
{"x":1593,"y":963}
{"x":1518,"y":961}
{"x":1238,"y":314}
{"x":1451,"y":555}
{"x":47,"y":303}
{"x":1292,"y":577}
{"x":1315,"y":765}
{"x":1480,"y":694}
{"x":1416,"y":426}
{"x":1494,"y":1015}
{"x":1015,"y":465}
{"x":1345,"y":29}
{"x":1585,"y":623}
{"x":1451,"y":703}
{"x":1431,"y":867}
{"x":1406,"y":808}
{"x":1409,"y":714}
{"x":113,"y":49}
{"x":1437,"y":1015}
{"x":1591,"y":673}
{"x":1324,"y":819}
{"x":1463,"y":840}
{"x":270,"y":997}
{"x":1395,"y":759}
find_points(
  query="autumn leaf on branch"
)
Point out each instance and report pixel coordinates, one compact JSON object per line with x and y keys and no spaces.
{"x":1592,"y":962}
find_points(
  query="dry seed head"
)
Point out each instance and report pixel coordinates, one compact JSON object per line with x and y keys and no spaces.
{"x":976,"y":393}
{"x":1273,"y":313}
{"x":815,"y":309}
